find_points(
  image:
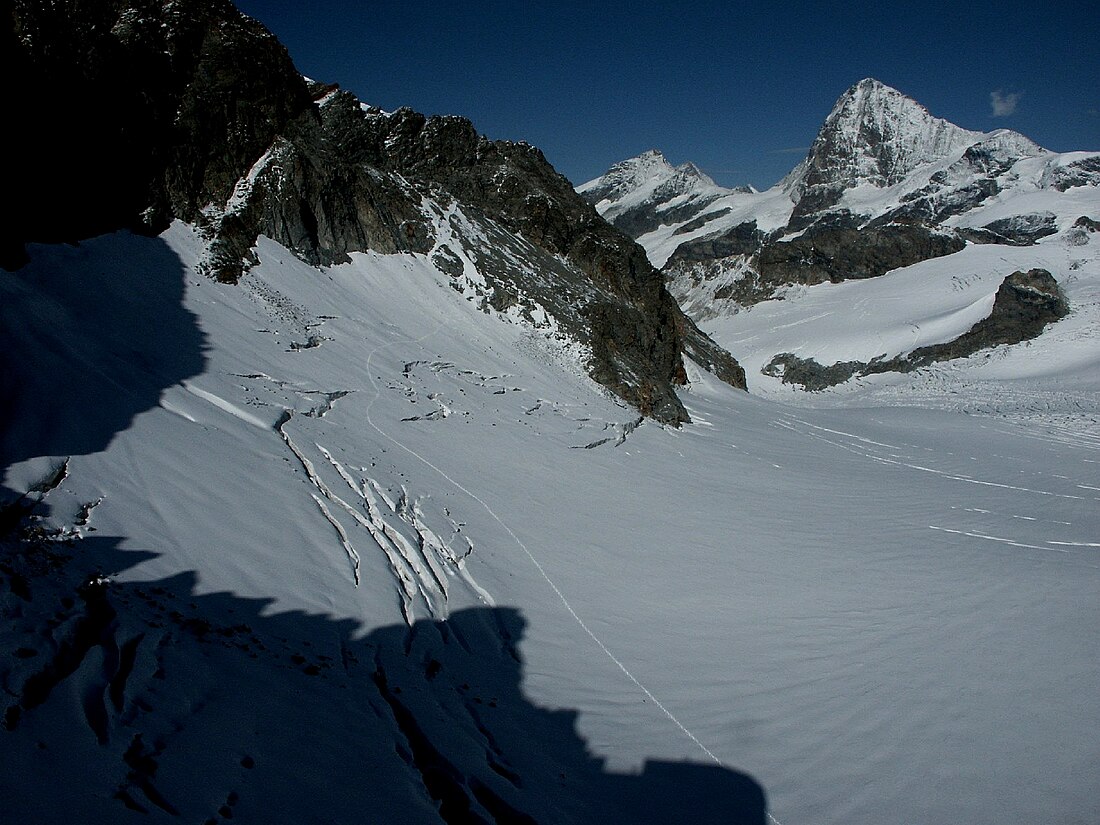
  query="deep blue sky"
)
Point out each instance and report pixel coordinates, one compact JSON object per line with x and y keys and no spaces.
{"x":738,"y":87}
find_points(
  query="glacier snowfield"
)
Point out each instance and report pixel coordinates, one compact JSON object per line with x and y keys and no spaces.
{"x":879,"y":603}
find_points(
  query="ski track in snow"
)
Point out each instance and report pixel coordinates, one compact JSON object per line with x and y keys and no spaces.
{"x":526,"y":551}
{"x":1013,"y":542}
{"x":895,"y":459}
{"x":864,"y":447}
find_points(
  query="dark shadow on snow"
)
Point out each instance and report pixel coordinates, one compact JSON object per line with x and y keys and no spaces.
{"x":123,"y":702}
{"x":90,"y":335}
{"x":202,"y":706}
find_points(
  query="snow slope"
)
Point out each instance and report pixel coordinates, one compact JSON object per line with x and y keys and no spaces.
{"x":1055,"y":377}
{"x":879,"y":614}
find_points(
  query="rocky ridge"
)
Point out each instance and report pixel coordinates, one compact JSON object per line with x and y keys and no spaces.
{"x":199,"y":115}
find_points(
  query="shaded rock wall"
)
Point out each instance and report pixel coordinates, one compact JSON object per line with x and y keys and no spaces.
{"x":194,"y":111}
{"x":160,"y":109}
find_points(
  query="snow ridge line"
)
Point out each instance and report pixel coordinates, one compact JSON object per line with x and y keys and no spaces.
{"x":542,"y":572}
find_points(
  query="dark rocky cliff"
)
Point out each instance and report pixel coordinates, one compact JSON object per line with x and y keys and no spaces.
{"x":157,"y":109}
{"x":192,"y":111}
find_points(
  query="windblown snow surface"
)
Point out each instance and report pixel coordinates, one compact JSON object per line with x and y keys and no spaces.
{"x":881,"y":609}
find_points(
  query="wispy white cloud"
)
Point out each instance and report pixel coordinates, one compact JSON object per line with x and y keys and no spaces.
{"x":1003,"y":105}
{"x":792,"y":150}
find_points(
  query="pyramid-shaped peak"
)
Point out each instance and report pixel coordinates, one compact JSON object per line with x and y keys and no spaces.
{"x":870,"y":84}
{"x":872,"y":102}
{"x":690,"y":170}
{"x":646,"y":165}
{"x":878,"y":135}
{"x":652,"y":165}
{"x":649,"y":159}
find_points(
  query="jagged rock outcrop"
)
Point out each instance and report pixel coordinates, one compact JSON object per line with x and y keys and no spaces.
{"x":1024,"y":304}
{"x":312,"y":191}
{"x":174,"y":103}
{"x":611,"y":298}
{"x":183,"y":101}
{"x":198,"y":114}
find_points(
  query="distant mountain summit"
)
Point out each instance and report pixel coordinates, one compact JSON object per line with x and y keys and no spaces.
{"x":875,"y":133}
{"x":874,"y":136}
{"x":649,"y":170}
{"x":885,"y":185}
{"x":639,"y":194}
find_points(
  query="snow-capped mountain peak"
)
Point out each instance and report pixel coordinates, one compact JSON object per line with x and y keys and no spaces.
{"x":641,"y":193}
{"x":884,"y":185}
{"x":649,"y":175}
{"x":877,"y":135}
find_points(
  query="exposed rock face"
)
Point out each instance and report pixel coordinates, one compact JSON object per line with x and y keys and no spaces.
{"x":874,"y":135}
{"x":200,"y":115}
{"x":183,"y":100}
{"x":743,"y":239}
{"x":1025,"y":303}
{"x":311,"y":190}
{"x":1084,"y":172}
{"x":836,"y":250}
{"x":1020,"y":230}
{"x":174,"y":101}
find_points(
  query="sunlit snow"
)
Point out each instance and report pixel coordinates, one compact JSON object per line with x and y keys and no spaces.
{"x":882,"y":613}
